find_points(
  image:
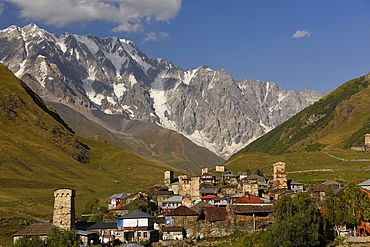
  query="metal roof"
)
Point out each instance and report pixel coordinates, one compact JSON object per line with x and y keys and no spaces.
{"x":119,"y":195}
{"x":174,"y":199}
{"x":136,"y":214}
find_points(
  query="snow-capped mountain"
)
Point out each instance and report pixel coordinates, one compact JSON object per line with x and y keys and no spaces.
{"x":114,"y":76}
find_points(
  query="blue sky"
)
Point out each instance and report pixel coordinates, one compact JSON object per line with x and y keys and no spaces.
{"x":313,"y":44}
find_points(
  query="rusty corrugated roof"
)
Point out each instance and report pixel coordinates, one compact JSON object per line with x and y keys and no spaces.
{"x":183,"y":211}
{"x":215,"y":214}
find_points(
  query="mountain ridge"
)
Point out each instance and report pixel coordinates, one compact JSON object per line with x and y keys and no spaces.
{"x":337,"y":121}
{"x":112,"y":75}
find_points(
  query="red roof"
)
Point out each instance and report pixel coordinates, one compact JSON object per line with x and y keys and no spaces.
{"x":215,"y":214}
{"x":183,"y":211}
{"x":249,"y":199}
{"x":207,"y":198}
{"x":172,"y":228}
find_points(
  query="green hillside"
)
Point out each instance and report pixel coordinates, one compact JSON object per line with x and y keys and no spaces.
{"x":316,"y":143}
{"x":39,"y":153}
{"x":337,"y":121}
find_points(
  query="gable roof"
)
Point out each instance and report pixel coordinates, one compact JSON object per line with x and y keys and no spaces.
{"x":331,"y":182}
{"x":119,"y":195}
{"x":174,"y":199}
{"x":40,"y":229}
{"x":215,"y":214}
{"x":137,"y":214}
{"x":207,"y":190}
{"x":365,"y":183}
{"x":183,"y":211}
{"x":249,"y":199}
{"x":254,"y":176}
{"x":200,"y":205}
{"x":207,"y":198}
{"x":96,"y":225}
{"x":247,"y":209}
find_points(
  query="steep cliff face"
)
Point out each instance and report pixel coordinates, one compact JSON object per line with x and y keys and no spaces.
{"x":112,"y":75}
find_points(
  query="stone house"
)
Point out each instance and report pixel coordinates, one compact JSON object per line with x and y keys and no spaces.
{"x":214,"y":222}
{"x":185,"y":217}
{"x":137,"y":225}
{"x":220,"y":168}
{"x":115,"y":200}
{"x":250,"y":217}
{"x":39,"y":229}
{"x":188,"y":189}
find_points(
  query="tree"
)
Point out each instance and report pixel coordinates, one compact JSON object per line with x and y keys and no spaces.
{"x":63,"y":238}
{"x":34,"y":241}
{"x":347,"y":207}
{"x":298,"y":222}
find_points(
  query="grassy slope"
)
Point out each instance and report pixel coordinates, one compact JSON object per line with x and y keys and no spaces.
{"x":333,"y":124}
{"x":38,"y":153}
{"x":147,"y":139}
{"x":331,"y":121}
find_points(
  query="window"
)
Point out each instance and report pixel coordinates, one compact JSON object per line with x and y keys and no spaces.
{"x":145,"y":234}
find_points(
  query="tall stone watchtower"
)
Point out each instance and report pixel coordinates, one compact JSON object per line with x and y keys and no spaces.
{"x":280,"y":181}
{"x":168,"y":177}
{"x":367,"y":139}
{"x":64,"y":208}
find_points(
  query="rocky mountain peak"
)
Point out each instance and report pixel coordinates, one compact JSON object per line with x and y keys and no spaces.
{"x":114,"y":76}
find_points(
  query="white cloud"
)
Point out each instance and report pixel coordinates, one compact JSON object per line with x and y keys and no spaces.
{"x":153,"y":36}
{"x":1,"y":8}
{"x":129,"y":15}
{"x":301,"y":34}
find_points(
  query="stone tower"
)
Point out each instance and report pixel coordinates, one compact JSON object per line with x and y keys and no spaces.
{"x":168,"y":178}
{"x":204,"y":170}
{"x":367,"y":139}
{"x":64,"y":208}
{"x":280,"y":181}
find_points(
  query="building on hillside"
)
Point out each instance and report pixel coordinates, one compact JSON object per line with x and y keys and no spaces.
{"x":170,"y":204}
{"x":251,"y":217}
{"x":200,"y":205}
{"x":137,"y":225}
{"x":185,"y":217}
{"x":365,"y":185}
{"x":115,"y":200}
{"x":229,"y":176}
{"x":219,"y":201}
{"x":362,"y":148}
{"x":64,"y":208}
{"x":295,"y":185}
{"x":207,"y":178}
{"x":36,"y":229}
{"x":220,"y":168}
{"x":105,"y":230}
{"x":207,"y":191}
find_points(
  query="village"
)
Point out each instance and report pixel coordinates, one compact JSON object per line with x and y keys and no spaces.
{"x":188,"y":208}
